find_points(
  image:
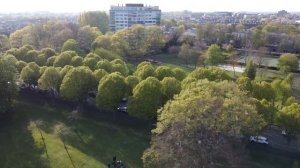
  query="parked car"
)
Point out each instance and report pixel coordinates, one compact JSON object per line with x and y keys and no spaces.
{"x":122,"y":109}
{"x":259,"y":139}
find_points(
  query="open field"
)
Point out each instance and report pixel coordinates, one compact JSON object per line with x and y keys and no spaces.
{"x":90,"y":140}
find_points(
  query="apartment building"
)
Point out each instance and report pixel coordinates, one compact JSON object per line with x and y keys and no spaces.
{"x":125,"y":16}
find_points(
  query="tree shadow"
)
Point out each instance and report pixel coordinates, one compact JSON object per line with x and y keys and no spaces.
{"x":17,"y":147}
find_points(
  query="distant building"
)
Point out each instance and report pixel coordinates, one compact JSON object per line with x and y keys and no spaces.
{"x":125,"y":16}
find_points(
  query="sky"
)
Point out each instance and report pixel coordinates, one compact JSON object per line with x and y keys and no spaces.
{"x":12,"y":6}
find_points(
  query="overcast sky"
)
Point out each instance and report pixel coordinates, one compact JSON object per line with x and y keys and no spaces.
{"x":165,"y":5}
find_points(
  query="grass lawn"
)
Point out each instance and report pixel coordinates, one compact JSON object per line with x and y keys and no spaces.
{"x":91,"y":141}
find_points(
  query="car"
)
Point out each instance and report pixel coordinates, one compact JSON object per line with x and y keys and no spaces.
{"x":259,"y":139}
{"x":122,"y":109}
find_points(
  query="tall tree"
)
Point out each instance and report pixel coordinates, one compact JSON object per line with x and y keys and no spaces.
{"x":214,"y":55}
{"x":169,"y":87}
{"x":8,"y":86}
{"x":288,"y":63}
{"x":203,"y":123}
{"x":250,"y":70}
{"x":71,"y":45}
{"x":289,"y":118}
{"x":95,"y":19}
{"x":50,"y":80}
{"x":85,"y":37}
{"x":146,"y":99}
{"x":111,"y":90}
{"x":77,"y":83}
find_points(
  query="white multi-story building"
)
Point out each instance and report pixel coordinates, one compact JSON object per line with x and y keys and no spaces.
{"x":125,"y":16}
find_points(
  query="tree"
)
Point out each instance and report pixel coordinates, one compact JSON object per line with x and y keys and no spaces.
{"x":163,"y":71}
{"x":71,"y":45}
{"x":244,"y":84}
{"x":267,"y":110}
{"x":30,"y":73}
{"x":104,"y":64}
{"x":169,"y":87}
{"x":179,"y":73}
{"x":250,"y":70}
{"x":289,"y":118}
{"x":90,"y":62}
{"x":204,"y":124}
{"x":48,"y":52}
{"x":65,"y":70}
{"x":288,"y":63}
{"x":86,"y":36}
{"x":131,"y":82}
{"x":104,"y":41}
{"x":185,"y":52}
{"x":77,"y":61}
{"x":211,"y":73}
{"x":111,"y":90}
{"x":50,"y":80}
{"x":214,"y":55}
{"x":144,"y":72}
{"x":8,"y":86}
{"x":155,"y":39}
{"x":4,"y":43}
{"x":50,"y":61}
{"x":95,"y":19}
{"x":99,"y":74}
{"x":146,"y":99}
{"x":30,"y":56}
{"x":263,"y":90}
{"x":77,"y":83}
{"x":62,"y":60}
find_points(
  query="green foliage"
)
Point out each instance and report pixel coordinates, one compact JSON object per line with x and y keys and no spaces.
{"x":179,"y":73}
{"x":65,"y":70}
{"x":131,"y":82}
{"x":20,"y":65}
{"x":244,"y":84}
{"x":163,"y":71}
{"x":283,"y":89}
{"x":214,"y":55}
{"x":155,"y":39}
{"x":104,"y":64}
{"x":289,"y":118}
{"x":41,"y":60}
{"x":50,"y":61}
{"x":106,"y":54}
{"x":146,"y":99}
{"x":48,"y":52}
{"x":211,"y":73}
{"x":30,"y":56}
{"x":8,"y":86}
{"x":86,"y":36}
{"x":250,"y":70}
{"x":111,"y":90}
{"x":71,"y":45}
{"x":122,"y":68}
{"x":104,"y":41}
{"x":169,"y":87}
{"x":90,"y":62}
{"x":202,"y":113}
{"x":288,"y":63}
{"x":99,"y":74}
{"x":267,"y":110}
{"x":95,"y":19}
{"x":77,"y":83}
{"x":63,"y":59}
{"x":263,"y":90}
{"x":144,"y":71}
{"x":187,"y":81}
{"x":30,"y":73}
{"x":50,"y":80}
{"x":77,"y":61}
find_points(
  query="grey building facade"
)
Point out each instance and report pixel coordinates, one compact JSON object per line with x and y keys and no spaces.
{"x":125,"y":16}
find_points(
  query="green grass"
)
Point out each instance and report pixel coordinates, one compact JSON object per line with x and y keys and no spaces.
{"x":268,"y":75}
{"x":91,"y":141}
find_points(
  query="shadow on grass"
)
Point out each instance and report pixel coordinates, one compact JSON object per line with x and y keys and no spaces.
{"x":96,"y":134}
{"x":17,"y":149}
